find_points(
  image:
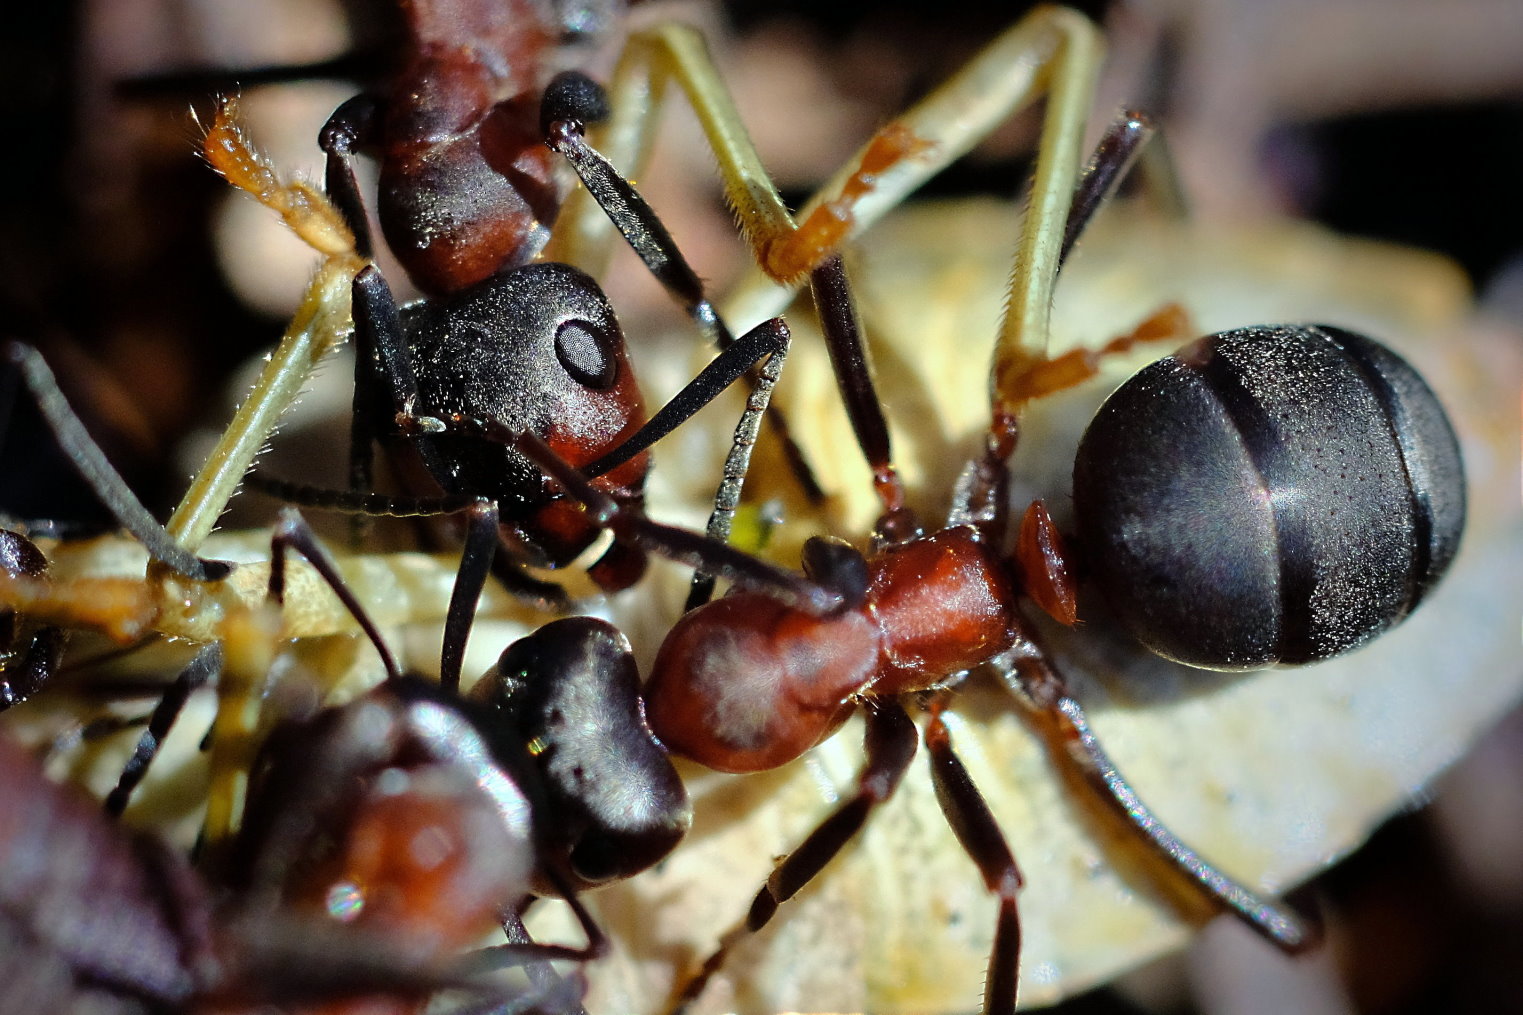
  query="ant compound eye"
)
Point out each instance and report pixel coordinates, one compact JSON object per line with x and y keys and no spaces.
{"x":587,"y":353}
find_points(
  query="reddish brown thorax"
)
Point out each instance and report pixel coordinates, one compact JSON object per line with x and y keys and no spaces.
{"x":748,"y":683}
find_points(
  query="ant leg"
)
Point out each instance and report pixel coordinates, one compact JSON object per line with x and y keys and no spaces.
{"x":889,"y":744}
{"x":849,"y":360}
{"x":319,"y":325}
{"x":770,"y":338}
{"x":983,"y":841}
{"x":204,"y":667}
{"x":1051,"y":50}
{"x":1113,"y":158}
{"x":383,"y":378}
{"x":350,"y":126}
{"x":736,"y":464}
{"x":632,"y":527}
{"x":520,"y":946}
{"x":475,"y":564}
{"x":1027,"y":673}
{"x":640,"y":227}
{"x":648,"y":237}
{"x":97,"y":471}
{"x":293,"y":533}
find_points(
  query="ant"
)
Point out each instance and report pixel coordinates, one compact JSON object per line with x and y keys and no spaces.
{"x":750,"y":682}
{"x":464,"y":136}
{"x":380,"y":840}
{"x":29,"y":653}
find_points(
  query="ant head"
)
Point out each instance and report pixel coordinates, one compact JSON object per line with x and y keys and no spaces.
{"x":614,"y":803}
{"x":539,"y":346}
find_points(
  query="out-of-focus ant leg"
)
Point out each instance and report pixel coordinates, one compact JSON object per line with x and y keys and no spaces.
{"x":203,"y":668}
{"x":290,"y":533}
{"x":97,"y":471}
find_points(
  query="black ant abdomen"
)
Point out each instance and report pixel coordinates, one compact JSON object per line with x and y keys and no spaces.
{"x":1276,"y":494}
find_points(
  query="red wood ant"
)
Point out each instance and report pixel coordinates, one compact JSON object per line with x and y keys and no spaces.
{"x":752,"y":681}
{"x":467,"y":196}
{"x":380,"y":841}
{"x":384,"y":837}
{"x":29,"y":653}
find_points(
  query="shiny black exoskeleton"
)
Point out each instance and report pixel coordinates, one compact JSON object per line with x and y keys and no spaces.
{"x":572,"y":690}
{"x":1271,"y":495}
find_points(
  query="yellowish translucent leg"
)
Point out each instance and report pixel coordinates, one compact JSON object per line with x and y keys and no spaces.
{"x":249,"y":638}
{"x":318,"y":326}
{"x":1053,"y":51}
